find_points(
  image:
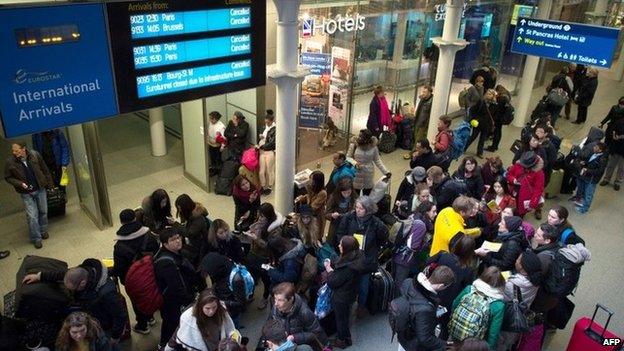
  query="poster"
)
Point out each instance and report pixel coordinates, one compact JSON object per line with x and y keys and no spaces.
{"x":339,"y":86}
{"x":314,"y":90}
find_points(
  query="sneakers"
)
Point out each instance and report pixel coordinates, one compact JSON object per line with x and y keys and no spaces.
{"x":45,"y":235}
{"x":144,"y":330}
{"x":578,"y":202}
{"x":340,"y":344}
{"x":616,"y":187}
{"x":38,"y":244}
{"x":604,"y":183}
{"x":151,"y":322}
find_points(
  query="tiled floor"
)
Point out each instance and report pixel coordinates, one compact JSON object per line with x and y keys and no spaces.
{"x":132,"y":174}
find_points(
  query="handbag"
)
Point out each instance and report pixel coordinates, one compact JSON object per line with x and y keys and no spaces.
{"x":64,"y":177}
{"x":515,"y":319}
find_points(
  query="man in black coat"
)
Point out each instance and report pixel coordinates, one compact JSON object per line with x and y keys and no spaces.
{"x":133,"y":241}
{"x":585,"y":94}
{"x":484,"y":112}
{"x":93,"y":291}
{"x":614,"y":137}
{"x":444,"y":189}
{"x":177,"y":281}
{"x":302,"y":326}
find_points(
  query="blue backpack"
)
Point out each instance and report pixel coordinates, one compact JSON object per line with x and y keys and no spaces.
{"x":460,"y":139}
{"x":247,"y":278}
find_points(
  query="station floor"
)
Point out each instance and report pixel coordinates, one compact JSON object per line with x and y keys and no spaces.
{"x":74,"y":237}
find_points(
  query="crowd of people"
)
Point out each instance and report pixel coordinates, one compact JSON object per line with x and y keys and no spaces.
{"x":457,"y":245}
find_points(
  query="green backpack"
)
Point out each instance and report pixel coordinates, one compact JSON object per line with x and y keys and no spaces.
{"x":471,"y":318}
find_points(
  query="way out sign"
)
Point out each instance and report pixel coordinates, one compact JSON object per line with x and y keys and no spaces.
{"x":565,"y":41}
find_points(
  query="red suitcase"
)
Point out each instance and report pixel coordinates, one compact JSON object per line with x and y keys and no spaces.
{"x":590,"y":336}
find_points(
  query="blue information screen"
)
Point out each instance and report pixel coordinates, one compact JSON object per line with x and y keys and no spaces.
{"x":177,"y":50}
{"x":55,"y":67}
{"x":565,"y":41}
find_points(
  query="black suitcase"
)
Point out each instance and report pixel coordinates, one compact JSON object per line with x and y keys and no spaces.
{"x":57,"y":200}
{"x":40,"y":299}
{"x":229,"y":169}
{"x":380,"y":291}
{"x":223,"y":186}
{"x":387,"y":142}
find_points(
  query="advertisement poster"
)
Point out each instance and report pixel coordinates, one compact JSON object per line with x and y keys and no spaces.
{"x":339,"y":86}
{"x":314,"y":90}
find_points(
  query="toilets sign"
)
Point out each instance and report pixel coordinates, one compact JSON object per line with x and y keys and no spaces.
{"x":310,"y":25}
{"x":565,"y":41}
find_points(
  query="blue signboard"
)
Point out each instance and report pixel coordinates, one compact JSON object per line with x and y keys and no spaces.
{"x":564,"y":41}
{"x":314,"y":90}
{"x":55,"y":68}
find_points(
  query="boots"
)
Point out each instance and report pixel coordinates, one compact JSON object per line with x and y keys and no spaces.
{"x":538,"y":212}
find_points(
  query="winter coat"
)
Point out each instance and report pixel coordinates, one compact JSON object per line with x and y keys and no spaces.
{"x":464,"y":276}
{"x":346,"y":170}
{"x":579,"y":76}
{"x":367,"y":157}
{"x":317,"y":201}
{"x":506,"y":201}
{"x":442,"y":141}
{"x":269,"y":140}
{"x":497,"y":308}
{"x":423,"y":321}
{"x":375,"y":235}
{"x":488,"y":176}
{"x":289,"y":265}
{"x":301,"y":323}
{"x":474,"y":184}
{"x":189,"y":337}
{"x":132,"y":240}
{"x":406,"y":189}
{"x":237,"y":136}
{"x":99,"y":298}
{"x":176,"y":277}
{"x":60,"y":149}
{"x":263,"y":230}
{"x":531,"y":185}
{"x":149,"y":216}
{"x":527,"y":289}
{"x":15,"y":175}
{"x":425,"y":160}
{"x":544,"y":301}
{"x":484,"y":113}
{"x":219,"y":268}
{"x":447,"y":191}
{"x":615,"y":113}
{"x":423,"y":111}
{"x":474,"y":95}
{"x":560,"y":80}
{"x":447,"y":224}
{"x":585,"y":93}
{"x":333,"y":205}
{"x":594,"y":167}
{"x":513,"y":245}
{"x":195,"y":233}
{"x":345,"y":278}
{"x":230,"y":248}
{"x":616,"y":147}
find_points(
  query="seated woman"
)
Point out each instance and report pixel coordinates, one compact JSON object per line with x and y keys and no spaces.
{"x":470,"y":172}
{"x":340,"y":202}
{"x":286,"y":257}
{"x":79,"y":332}
{"x":246,"y":203}
{"x":221,"y":240}
{"x":203,"y":325}
{"x":307,"y":229}
{"x":511,"y":235}
{"x":498,"y":194}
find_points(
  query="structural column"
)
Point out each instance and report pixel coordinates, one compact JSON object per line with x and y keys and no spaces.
{"x":618,"y":74}
{"x":597,"y":16}
{"x":449,"y":44}
{"x":286,"y":74}
{"x":157,"y":132}
{"x":528,"y":76}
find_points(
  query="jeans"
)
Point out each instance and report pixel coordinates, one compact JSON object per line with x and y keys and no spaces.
{"x":615,"y":162}
{"x":555,"y":111}
{"x":36,"y":204}
{"x":585,"y":190}
{"x":363,"y":290}
{"x":342,"y":312}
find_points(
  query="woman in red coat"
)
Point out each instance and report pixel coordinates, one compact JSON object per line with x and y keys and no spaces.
{"x":499,"y":195}
{"x":527,"y":180}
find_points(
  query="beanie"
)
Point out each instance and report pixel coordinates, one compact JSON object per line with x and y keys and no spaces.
{"x":533,"y":266}
{"x":126,"y":216}
{"x":513,"y":223}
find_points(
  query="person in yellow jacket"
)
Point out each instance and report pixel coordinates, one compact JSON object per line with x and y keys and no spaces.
{"x":451,"y":220}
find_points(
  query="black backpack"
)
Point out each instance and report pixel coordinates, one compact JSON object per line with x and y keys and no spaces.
{"x":563,"y":276}
{"x":508,"y":114}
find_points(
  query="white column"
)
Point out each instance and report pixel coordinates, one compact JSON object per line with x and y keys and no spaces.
{"x":399,"y":39}
{"x":157,"y":132}
{"x":286,"y":74}
{"x":528,"y":76}
{"x":618,"y":73}
{"x":449,"y":44}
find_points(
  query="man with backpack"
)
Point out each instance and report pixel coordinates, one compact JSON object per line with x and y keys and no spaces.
{"x":177,"y":281}
{"x":93,"y":291}
{"x":444,"y":188}
{"x":414,"y":315}
{"x":133,"y":242}
{"x":547,"y":240}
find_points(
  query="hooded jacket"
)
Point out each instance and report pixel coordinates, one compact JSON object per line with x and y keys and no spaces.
{"x":594,"y":167}
{"x":513,"y":245}
{"x":616,"y":128}
{"x":367,"y":157}
{"x":263,"y":230}
{"x":474,"y":184}
{"x":527,"y":289}
{"x":132,"y":240}
{"x":237,"y":136}
{"x":195,"y":231}
{"x":344,"y":279}
{"x":289,"y":265}
{"x":345,"y":170}
{"x":189,"y":336}
{"x":406,"y":189}
{"x":421,"y":336}
{"x":375,"y":235}
{"x":219,"y":268}
{"x":497,"y":308}
{"x":99,"y":297}
{"x":301,"y":323}
{"x":531,"y":185}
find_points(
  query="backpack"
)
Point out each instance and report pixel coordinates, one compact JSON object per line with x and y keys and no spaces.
{"x":471,"y":318}
{"x":565,"y":235}
{"x":400,"y":316}
{"x":403,"y":236}
{"x":387,"y":142}
{"x":508,"y":114}
{"x":325,"y":251}
{"x":557,"y":97}
{"x":247,"y":278}
{"x":309,"y":270}
{"x":461,"y":134}
{"x":141,"y":285}
{"x":250,"y":159}
{"x":563,"y":276}
{"x":462,"y":98}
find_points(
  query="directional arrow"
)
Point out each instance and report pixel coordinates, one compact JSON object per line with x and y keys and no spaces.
{"x":519,"y":39}
{"x":603,"y":62}
{"x":523,"y":21}
{"x":521,"y":30}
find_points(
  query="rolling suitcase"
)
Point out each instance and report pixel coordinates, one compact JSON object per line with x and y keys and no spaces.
{"x":57,"y":200}
{"x":387,"y":142}
{"x":590,"y":336}
{"x":380,"y":291}
{"x":554,"y":184}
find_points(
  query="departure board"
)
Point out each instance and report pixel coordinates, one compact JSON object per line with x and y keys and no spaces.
{"x":171,"y":51}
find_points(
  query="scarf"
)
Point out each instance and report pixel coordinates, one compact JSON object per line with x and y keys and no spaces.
{"x":384,"y":112}
{"x":242,"y":194}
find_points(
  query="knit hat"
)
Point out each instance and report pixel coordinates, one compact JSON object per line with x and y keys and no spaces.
{"x":513,"y":223}
{"x":419,"y":174}
{"x":127,"y":216}
{"x":239,"y":115}
{"x":528,"y":159}
{"x":305,"y":210}
{"x":533,"y":266}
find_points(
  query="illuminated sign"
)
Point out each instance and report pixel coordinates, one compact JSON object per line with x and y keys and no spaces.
{"x":440,"y":12}
{"x":331,"y":25}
